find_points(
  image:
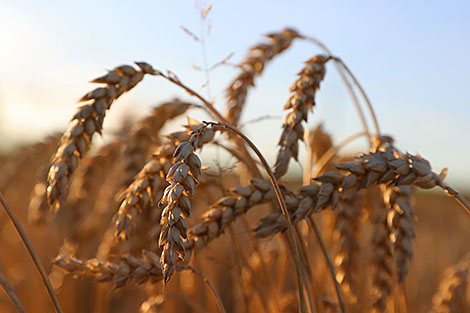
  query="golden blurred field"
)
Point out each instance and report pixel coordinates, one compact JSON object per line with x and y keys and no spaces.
{"x":119,"y":219}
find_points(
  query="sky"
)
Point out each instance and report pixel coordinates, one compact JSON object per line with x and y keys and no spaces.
{"x":410,"y":56}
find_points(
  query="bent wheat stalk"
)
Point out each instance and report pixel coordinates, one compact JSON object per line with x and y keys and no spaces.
{"x":340,"y":70}
{"x":32,"y":252}
{"x":282,"y":203}
{"x":11,"y":294}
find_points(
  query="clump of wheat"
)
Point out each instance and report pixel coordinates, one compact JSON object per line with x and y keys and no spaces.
{"x":152,"y":178}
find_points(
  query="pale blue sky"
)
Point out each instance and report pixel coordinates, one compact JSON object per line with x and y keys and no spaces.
{"x":411,"y":57}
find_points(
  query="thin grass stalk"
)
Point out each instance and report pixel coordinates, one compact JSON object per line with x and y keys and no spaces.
{"x":32,"y":253}
{"x":309,"y":289}
{"x":11,"y":294}
{"x":330,"y":264}
{"x":238,"y":264}
{"x":282,"y":203}
{"x":451,"y":192}
{"x":363,"y":93}
{"x":242,"y":260}
{"x":211,"y":286}
{"x":256,"y":249}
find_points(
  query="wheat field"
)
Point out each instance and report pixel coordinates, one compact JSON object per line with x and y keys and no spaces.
{"x":144,"y":223}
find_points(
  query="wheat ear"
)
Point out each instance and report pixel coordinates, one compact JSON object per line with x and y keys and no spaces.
{"x":347,"y":233}
{"x":453,"y":290}
{"x":182,"y":177}
{"x":300,"y":103}
{"x":148,"y":185}
{"x":252,"y":66}
{"x":224,"y":212}
{"x":129,"y":269}
{"x":383,"y":167}
{"x":384,"y":275}
{"x":88,"y":120}
{"x":398,"y":199}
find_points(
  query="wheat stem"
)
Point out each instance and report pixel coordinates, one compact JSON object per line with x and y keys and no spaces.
{"x":346,"y":83}
{"x":209,"y":283}
{"x":11,"y":294}
{"x":331,"y":267}
{"x":32,"y":252}
{"x":363,"y":93}
{"x":282,"y":203}
{"x":453,"y":193}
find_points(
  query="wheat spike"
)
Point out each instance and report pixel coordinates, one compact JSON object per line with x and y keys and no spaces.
{"x":182,"y":177}
{"x":252,"y":66}
{"x":87,"y":121}
{"x":399,"y":200}
{"x":452,"y":296}
{"x":347,"y":233}
{"x":300,"y":103}
{"x":383,"y":254}
{"x":148,"y":185}
{"x":226,"y":210}
{"x":383,"y":167}
{"x":129,"y":269}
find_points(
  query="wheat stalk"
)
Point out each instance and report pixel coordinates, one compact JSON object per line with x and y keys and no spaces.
{"x":87,"y":121}
{"x":11,"y":294}
{"x":32,"y":252}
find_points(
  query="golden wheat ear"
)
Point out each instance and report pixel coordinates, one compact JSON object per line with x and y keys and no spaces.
{"x":300,"y":103}
{"x":86,"y":122}
{"x":452,"y":295}
{"x":183,"y":176}
{"x":253,"y":66}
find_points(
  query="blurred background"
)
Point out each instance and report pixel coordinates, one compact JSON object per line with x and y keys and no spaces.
{"x":411,"y":58}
